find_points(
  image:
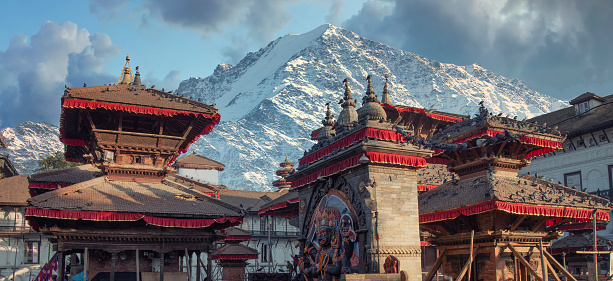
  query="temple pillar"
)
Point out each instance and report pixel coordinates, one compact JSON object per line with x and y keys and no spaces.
{"x":60,"y":265}
{"x":113,"y":261}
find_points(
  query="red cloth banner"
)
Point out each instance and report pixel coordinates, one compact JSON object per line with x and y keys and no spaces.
{"x":278,"y":206}
{"x":82,"y":215}
{"x":45,"y":185}
{"x":191,"y":223}
{"x":514,"y":208}
{"x":74,"y":142}
{"x":234,"y":257}
{"x":111,"y":216}
{"x":424,"y":187}
{"x":379,"y":134}
{"x":375,"y":157}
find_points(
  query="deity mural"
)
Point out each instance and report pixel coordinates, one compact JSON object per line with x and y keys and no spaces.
{"x":332,"y":246}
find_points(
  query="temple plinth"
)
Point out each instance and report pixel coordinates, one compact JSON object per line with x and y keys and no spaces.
{"x":491,"y":224}
{"x":358,"y":191}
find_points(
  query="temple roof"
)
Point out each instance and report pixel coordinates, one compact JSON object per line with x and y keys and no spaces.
{"x":67,"y":176}
{"x":14,"y":191}
{"x":6,"y":167}
{"x":195,"y":161}
{"x":252,"y":200}
{"x":167,"y":199}
{"x":595,"y":119}
{"x":136,"y":96}
{"x":284,"y":204}
{"x":579,"y":241}
{"x":500,"y":187}
{"x":235,"y":252}
{"x":433,"y":175}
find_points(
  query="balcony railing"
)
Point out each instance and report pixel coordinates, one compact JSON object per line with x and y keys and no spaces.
{"x":275,"y":233}
{"x":603,"y":193}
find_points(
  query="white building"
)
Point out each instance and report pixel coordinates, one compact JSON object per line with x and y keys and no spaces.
{"x":23,"y":251}
{"x":586,"y":161}
{"x":200,"y":168}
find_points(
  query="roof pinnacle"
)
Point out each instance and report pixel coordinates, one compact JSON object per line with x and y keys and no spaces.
{"x":126,"y":73}
{"x":385,"y":97}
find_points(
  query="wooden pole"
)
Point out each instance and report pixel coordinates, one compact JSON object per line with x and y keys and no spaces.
{"x":161,"y":266}
{"x":525,"y":263}
{"x":436,"y":265}
{"x":467,"y":264}
{"x":113,"y":261}
{"x":564,"y":261}
{"x":86,"y":264}
{"x":556,"y":264}
{"x":543,"y":266}
{"x":198,"y":270}
{"x":60,"y":265}
{"x":470,"y":265}
{"x":595,"y":247}
{"x":137,"y":265}
{"x":188,"y":263}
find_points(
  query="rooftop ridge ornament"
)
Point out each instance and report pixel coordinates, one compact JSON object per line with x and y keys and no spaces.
{"x":371,"y":107}
{"x":385,"y":97}
{"x":348,"y":114}
{"x":126,"y":73}
{"x":327,"y":132}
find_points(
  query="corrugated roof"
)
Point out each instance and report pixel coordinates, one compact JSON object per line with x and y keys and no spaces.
{"x":166,"y":199}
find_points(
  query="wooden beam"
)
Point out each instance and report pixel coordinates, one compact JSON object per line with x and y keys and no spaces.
{"x":467,"y":221}
{"x":553,"y":272}
{"x":558,"y":224}
{"x":470,"y":265}
{"x":517,"y":222}
{"x":525,"y":263}
{"x":540,"y":224}
{"x":557,"y":265}
{"x":446,"y":227}
{"x":436,"y":265}
{"x":467,"y":264}
{"x":431,"y":230}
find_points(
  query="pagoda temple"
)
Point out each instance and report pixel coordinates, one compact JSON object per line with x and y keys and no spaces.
{"x":357,"y":189}
{"x":128,"y":213}
{"x":490,"y":223}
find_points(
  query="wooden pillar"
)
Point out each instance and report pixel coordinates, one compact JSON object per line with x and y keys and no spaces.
{"x":60,"y":265}
{"x":161,"y":266}
{"x":198,"y":271}
{"x":113,"y":261}
{"x":86,"y":264}
{"x":494,"y":261}
{"x":209,"y":267}
{"x":188,"y":262}
{"x":137,"y":265}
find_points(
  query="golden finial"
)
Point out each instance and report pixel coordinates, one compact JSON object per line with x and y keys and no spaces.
{"x":126,"y":73}
{"x":385,"y":97}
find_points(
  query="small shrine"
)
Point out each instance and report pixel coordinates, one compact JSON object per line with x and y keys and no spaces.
{"x":489,"y":223}
{"x":233,"y":256}
{"x":285,"y":205}
{"x":127,"y":213}
{"x":575,"y":250}
{"x":357,"y":189}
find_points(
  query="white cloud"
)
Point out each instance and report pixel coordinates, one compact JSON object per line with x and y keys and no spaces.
{"x":34,"y":70}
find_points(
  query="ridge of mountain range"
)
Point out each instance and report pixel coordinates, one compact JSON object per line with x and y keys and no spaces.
{"x":273,"y":98}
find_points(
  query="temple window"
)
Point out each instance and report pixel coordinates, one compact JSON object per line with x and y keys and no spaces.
{"x":31,"y":253}
{"x":573,"y":179}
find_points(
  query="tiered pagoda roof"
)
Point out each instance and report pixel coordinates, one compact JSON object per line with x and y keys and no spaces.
{"x":130,"y":133}
{"x":195,"y":161}
{"x":486,"y":152}
{"x":233,"y":250}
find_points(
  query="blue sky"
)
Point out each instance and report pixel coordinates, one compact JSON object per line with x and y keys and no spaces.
{"x":560,"y":48}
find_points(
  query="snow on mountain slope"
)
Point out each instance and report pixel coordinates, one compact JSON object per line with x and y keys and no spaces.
{"x":272,"y":99}
{"x":30,"y":142}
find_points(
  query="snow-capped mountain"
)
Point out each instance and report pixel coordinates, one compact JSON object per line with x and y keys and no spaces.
{"x":272,"y":99}
{"x":30,"y":142}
